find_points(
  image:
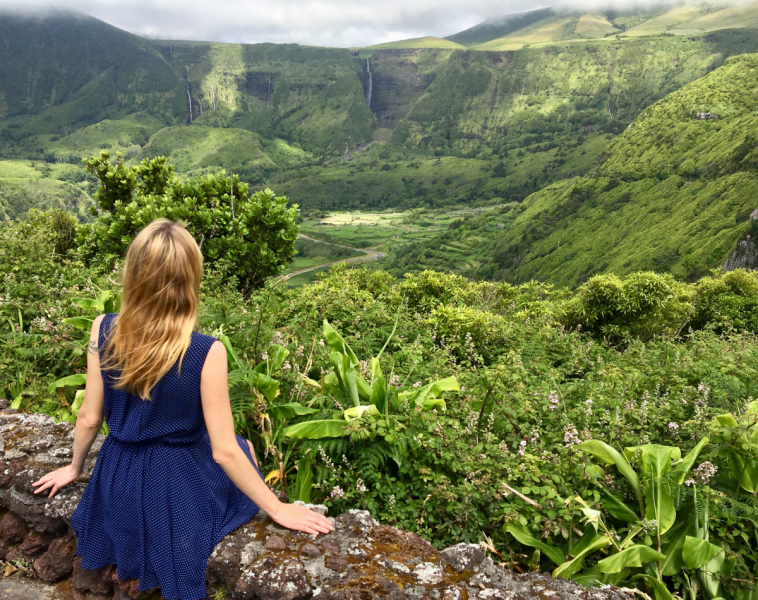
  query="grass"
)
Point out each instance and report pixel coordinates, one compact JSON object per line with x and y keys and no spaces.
{"x":19,"y":194}
{"x":126,"y":135}
{"x":686,"y":20}
{"x":594,"y":26}
{"x":422,"y":42}
{"x":303,"y":279}
{"x":196,"y":147}
{"x":383,"y":231}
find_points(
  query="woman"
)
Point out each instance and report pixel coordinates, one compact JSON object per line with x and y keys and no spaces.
{"x":171,"y":479}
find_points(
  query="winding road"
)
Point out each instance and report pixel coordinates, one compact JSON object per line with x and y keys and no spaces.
{"x":368,"y":255}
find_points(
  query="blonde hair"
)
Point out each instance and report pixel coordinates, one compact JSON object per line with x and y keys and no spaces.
{"x":161,"y":289}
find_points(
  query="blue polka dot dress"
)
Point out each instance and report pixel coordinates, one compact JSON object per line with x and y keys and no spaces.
{"x":157,"y":503}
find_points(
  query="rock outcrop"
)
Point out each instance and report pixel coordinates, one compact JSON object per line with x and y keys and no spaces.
{"x":359,"y":560}
{"x":745,"y":255}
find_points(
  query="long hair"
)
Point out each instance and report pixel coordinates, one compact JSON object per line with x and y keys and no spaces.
{"x":161,"y":290}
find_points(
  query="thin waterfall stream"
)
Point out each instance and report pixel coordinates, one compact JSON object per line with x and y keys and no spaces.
{"x":370,"y":84}
{"x":189,"y":101}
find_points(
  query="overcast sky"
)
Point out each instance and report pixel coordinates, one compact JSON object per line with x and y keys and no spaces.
{"x":317,"y":22}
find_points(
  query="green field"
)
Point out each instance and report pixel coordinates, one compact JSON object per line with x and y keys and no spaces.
{"x":383,"y":231}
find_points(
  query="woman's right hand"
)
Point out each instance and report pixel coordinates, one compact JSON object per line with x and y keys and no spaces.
{"x":300,"y":518}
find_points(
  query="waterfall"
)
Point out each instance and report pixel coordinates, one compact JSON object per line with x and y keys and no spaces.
{"x":200,"y":104}
{"x":189,"y":100}
{"x":370,"y":84}
{"x":269,"y":93}
{"x":213,"y":97}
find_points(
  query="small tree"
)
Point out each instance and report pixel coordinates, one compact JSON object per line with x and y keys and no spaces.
{"x":251,"y":237}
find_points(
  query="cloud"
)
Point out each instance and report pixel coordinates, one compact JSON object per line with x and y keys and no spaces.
{"x":343,"y":23}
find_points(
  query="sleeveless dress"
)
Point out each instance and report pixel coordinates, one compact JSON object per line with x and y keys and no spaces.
{"x":157,"y":503}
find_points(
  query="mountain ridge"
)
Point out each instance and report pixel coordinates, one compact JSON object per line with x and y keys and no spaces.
{"x":675,"y":192}
{"x":371,"y":129}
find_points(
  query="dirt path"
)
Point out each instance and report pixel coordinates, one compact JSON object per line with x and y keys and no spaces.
{"x":369,"y":255}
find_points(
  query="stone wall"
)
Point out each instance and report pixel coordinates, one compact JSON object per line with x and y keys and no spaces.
{"x":359,"y":560}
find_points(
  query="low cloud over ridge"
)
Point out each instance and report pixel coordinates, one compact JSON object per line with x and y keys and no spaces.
{"x":341,"y":23}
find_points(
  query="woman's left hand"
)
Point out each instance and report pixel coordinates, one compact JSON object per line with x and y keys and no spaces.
{"x":56,"y":480}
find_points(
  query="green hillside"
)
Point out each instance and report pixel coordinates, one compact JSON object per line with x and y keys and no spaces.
{"x":36,"y":184}
{"x":498,"y":27}
{"x":673,"y":193}
{"x":394,"y":127}
{"x":64,"y":71}
{"x":514,"y":121}
{"x":422,"y":42}
{"x":547,"y":26}
{"x":311,"y":96}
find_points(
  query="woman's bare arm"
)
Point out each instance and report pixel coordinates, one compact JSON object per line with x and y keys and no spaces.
{"x":217,"y":411}
{"x":88,"y":421}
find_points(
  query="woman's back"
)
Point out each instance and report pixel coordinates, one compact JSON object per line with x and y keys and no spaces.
{"x":157,"y":502}
{"x":173,"y":414}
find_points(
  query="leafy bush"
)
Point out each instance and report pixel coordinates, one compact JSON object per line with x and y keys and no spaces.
{"x":248,"y":237}
{"x":727,"y":300}
{"x":643,"y":305}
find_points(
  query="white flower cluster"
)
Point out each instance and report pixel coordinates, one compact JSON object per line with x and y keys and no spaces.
{"x":571,"y":435}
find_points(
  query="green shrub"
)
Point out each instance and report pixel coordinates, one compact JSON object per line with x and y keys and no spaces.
{"x":250,"y":237}
{"x":727,"y":300}
{"x":643,"y":305}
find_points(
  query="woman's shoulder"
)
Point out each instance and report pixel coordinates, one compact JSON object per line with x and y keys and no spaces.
{"x":203,"y":342}
{"x":208,"y":339}
{"x":97,"y":323}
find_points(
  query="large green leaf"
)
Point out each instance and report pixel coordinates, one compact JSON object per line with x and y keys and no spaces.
{"x":83,"y":323}
{"x":277,"y":354}
{"x":616,"y":508}
{"x":287,"y":411}
{"x":680,"y":470}
{"x":449,"y":384}
{"x":610,"y":456}
{"x":268,"y":386}
{"x":673,"y":543}
{"x":96,"y":304}
{"x":726,"y":420}
{"x":71,"y":380}
{"x":709,"y":575}
{"x":589,"y":536}
{"x":634,"y":556}
{"x":656,"y":459}
{"x":744,"y":472}
{"x":346,"y":376}
{"x":364,"y":389}
{"x":656,"y":463}
{"x":379,"y":394}
{"x":697,"y":552}
{"x":659,"y":505}
{"x":523,"y":536}
{"x":316,"y":430}
{"x":231,"y":355}
{"x":569,"y":568}
{"x":589,"y":578}
{"x":356,"y":412}
{"x":338,"y":344}
{"x":301,"y":490}
{"x":375,"y":369}
{"x":76,"y":405}
{"x":660,"y":591}
{"x":425,"y":398}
